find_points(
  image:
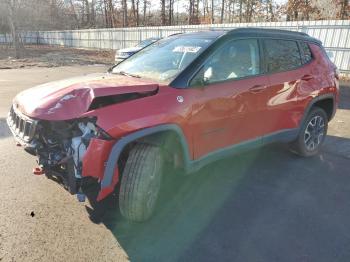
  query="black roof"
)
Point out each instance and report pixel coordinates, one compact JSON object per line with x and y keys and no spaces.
{"x":202,"y":34}
{"x":253,"y":32}
{"x":268,"y":32}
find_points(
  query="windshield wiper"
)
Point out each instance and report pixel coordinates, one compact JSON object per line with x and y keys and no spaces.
{"x":127,"y":74}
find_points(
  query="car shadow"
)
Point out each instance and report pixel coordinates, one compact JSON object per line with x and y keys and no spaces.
{"x":344,"y":93}
{"x":4,"y":129}
{"x":265,"y":205}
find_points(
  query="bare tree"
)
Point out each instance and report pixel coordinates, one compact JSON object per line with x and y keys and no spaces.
{"x":240,"y":10}
{"x":73,"y":12}
{"x":125,"y":13}
{"x":344,"y":9}
{"x":135,"y":11}
{"x":171,"y":11}
{"x":145,"y":3}
{"x":300,"y":10}
{"x":162,"y":12}
{"x":212,"y":12}
{"x":193,"y":17}
{"x":34,"y":15}
{"x":190,"y":10}
{"x":222,"y":11}
{"x":12,"y":5}
{"x":231,"y":10}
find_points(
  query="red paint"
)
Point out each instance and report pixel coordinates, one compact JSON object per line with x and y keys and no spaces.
{"x":104,"y":192}
{"x":38,"y":171}
{"x":226,"y":113}
{"x":70,"y":98}
{"x":94,"y":162}
{"x":95,"y":157}
{"x":212,"y":117}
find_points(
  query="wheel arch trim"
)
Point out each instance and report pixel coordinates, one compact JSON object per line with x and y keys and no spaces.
{"x":119,"y":146}
{"x":318,"y":99}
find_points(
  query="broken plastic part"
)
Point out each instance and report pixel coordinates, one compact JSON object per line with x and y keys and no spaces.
{"x":38,"y":171}
{"x":106,"y":191}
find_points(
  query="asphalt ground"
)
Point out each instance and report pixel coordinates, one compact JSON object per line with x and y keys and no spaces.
{"x":264,"y":205}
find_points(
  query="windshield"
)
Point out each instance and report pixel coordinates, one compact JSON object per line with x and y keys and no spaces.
{"x":163,"y":60}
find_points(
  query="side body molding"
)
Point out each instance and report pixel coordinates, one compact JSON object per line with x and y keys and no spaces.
{"x":109,"y":180}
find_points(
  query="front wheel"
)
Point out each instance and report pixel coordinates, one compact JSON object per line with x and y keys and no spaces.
{"x":312,"y":133}
{"x":140,"y":183}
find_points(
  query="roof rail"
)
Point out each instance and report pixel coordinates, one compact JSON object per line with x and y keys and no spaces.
{"x":267,"y":30}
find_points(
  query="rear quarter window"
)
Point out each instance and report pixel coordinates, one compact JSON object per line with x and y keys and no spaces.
{"x":282,"y":55}
{"x":306,"y":52}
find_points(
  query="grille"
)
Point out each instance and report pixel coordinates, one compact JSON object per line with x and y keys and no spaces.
{"x":21,"y":126}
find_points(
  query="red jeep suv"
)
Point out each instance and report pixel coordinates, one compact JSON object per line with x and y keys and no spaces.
{"x":188,"y":100}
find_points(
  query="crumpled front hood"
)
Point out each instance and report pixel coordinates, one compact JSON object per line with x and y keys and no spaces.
{"x":70,"y":98}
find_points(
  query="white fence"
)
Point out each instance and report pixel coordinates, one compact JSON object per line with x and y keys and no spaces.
{"x":334,"y":34}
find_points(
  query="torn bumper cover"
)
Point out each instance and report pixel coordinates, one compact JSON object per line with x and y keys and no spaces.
{"x":95,"y":162}
{"x":67,"y":151}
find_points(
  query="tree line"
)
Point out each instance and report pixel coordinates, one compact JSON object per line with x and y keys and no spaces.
{"x":33,"y":15}
{"x":77,"y":14}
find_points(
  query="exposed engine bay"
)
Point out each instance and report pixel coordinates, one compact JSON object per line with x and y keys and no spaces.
{"x":60,"y":147}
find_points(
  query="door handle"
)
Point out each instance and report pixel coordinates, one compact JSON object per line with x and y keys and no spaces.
{"x":257,"y":88}
{"x":307,"y":77}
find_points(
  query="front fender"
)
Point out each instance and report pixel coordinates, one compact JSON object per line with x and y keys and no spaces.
{"x":111,"y":174}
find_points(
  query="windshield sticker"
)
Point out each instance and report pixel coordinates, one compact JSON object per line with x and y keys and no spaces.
{"x":186,"y":49}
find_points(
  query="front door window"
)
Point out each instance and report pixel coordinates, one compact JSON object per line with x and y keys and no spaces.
{"x":236,"y":59}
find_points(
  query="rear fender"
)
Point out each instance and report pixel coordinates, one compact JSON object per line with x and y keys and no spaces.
{"x":318,"y":99}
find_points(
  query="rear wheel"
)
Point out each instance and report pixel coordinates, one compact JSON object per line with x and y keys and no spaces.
{"x":140,"y":183}
{"x":312,"y":134}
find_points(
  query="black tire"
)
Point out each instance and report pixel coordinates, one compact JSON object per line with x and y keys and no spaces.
{"x":140,"y":183}
{"x":310,"y":139}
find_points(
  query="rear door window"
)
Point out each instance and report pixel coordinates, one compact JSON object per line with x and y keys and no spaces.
{"x":282,"y":55}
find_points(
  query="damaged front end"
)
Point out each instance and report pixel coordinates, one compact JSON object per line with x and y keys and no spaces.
{"x":62,"y":146}
{"x":57,"y":122}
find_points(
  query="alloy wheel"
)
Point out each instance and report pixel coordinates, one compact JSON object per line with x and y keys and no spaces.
{"x":314,"y":133}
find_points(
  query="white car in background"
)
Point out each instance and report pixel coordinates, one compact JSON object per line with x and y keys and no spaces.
{"x":123,"y":54}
